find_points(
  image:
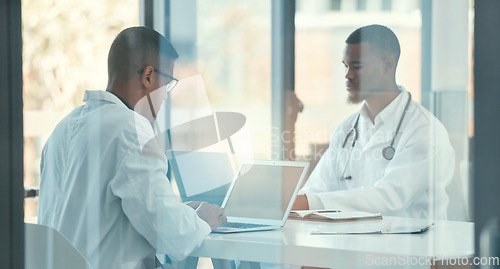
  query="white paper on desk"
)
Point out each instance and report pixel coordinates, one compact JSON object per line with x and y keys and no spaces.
{"x":347,"y":215}
{"x":365,"y":227}
{"x":305,"y":213}
{"x":373,"y":227}
{"x":334,"y":215}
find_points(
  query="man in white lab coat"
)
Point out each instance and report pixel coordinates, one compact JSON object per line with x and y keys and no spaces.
{"x":392,"y":157}
{"x":99,"y":189}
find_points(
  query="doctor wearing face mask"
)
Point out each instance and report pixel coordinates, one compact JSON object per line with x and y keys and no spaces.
{"x":98,"y":188}
{"x":393,"y":156}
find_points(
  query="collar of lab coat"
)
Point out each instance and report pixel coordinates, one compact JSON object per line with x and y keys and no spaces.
{"x":389,"y":111}
{"x":123,"y":101}
{"x":102,"y":96}
{"x":143,"y":128}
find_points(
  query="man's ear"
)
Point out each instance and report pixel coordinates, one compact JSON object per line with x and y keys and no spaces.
{"x":146,"y":76}
{"x":389,"y":63}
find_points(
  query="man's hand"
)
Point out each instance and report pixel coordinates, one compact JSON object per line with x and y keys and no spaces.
{"x":193,"y":204}
{"x":212,"y":214}
{"x":301,"y":203}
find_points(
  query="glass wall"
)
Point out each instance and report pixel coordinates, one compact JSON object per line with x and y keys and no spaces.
{"x":225,"y":52}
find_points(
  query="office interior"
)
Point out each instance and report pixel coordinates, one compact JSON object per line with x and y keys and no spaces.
{"x":260,"y":59}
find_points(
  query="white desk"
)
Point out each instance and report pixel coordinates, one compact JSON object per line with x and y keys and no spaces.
{"x":295,"y":245}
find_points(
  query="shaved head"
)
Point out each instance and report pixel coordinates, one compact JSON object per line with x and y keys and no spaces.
{"x":379,"y":37}
{"x":135,"y":48}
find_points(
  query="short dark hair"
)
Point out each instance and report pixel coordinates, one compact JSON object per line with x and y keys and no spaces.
{"x":135,"y":48}
{"x":379,"y":36}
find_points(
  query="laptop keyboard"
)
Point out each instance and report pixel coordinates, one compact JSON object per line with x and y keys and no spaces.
{"x":241,"y":225}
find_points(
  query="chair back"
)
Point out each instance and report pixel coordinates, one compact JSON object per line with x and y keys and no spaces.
{"x":46,"y":248}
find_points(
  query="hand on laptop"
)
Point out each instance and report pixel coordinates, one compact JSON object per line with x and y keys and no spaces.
{"x":193,"y":204}
{"x":212,"y":214}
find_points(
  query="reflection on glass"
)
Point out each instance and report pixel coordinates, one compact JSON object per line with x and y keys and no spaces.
{"x":228,"y":43}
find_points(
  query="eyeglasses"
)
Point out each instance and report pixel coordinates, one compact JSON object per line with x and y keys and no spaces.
{"x":170,"y":84}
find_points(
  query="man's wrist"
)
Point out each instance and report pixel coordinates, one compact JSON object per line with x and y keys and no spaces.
{"x":301,"y":203}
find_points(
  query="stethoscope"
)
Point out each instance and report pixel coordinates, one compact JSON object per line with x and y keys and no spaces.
{"x":387,"y":152}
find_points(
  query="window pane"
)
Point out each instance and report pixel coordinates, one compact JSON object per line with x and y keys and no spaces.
{"x":228,"y":44}
{"x":335,"y":4}
{"x":361,"y":4}
{"x":386,"y":5}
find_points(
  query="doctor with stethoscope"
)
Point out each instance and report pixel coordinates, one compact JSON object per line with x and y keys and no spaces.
{"x":393,"y":156}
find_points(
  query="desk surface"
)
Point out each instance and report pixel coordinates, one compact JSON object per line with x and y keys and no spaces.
{"x":294,"y":244}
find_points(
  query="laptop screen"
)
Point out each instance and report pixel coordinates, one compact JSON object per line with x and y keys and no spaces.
{"x":262,"y":191}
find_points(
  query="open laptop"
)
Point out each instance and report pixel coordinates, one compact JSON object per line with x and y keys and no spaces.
{"x":262,"y":195}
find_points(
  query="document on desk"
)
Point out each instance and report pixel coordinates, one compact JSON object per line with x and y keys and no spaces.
{"x":333,"y":215}
{"x":375,"y":227}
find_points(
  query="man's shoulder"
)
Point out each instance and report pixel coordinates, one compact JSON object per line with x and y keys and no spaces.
{"x":67,"y":121}
{"x":422,"y":123}
{"x":110,"y":119}
{"x":423,"y":116}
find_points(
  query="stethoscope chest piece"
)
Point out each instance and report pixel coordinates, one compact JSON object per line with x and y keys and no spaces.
{"x":388,"y":152}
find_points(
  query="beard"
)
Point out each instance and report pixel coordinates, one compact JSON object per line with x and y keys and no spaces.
{"x":354,"y":97}
{"x":359,"y":95}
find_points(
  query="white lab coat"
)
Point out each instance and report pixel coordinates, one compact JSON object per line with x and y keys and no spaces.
{"x":412,"y":184}
{"x":113,"y":203}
